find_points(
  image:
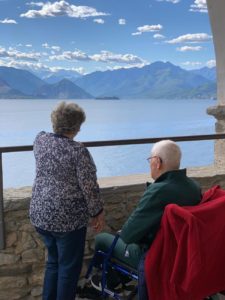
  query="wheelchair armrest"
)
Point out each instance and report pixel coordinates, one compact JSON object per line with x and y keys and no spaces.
{"x":111,"y":248}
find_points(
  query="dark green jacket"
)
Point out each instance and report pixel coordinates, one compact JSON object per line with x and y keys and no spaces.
{"x":171,"y":187}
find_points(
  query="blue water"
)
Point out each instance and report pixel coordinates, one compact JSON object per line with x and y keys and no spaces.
{"x":21,"y":120}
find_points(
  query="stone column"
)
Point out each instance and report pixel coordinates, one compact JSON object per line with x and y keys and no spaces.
{"x":219,"y":147}
{"x":216,"y":9}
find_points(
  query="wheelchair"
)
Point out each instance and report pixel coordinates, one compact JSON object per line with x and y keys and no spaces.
{"x":104,"y":261}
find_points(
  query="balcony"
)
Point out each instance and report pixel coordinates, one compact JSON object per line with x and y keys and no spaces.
{"x":23,"y":256}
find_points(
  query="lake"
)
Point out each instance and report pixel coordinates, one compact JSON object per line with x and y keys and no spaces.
{"x":21,"y":120}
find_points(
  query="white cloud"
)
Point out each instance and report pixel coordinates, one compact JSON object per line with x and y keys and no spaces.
{"x":99,"y":21}
{"x":34,"y":56}
{"x":158,"y":36}
{"x":3,"y":52}
{"x":13,"y":53}
{"x":107,"y":56}
{"x":126,"y":67}
{"x":199,"y":6}
{"x":80,"y":70}
{"x":8,"y":21}
{"x":122,"y":22}
{"x":211,"y":63}
{"x":147,"y":28}
{"x":36,"y":3}
{"x":192,"y":63}
{"x":103,"y":56}
{"x":56,"y":48}
{"x":62,"y":8}
{"x":38,"y":66}
{"x":172,"y":1}
{"x":136,"y":33}
{"x":191,"y":38}
{"x":28,"y":45}
{"x":71,"y":55}
{"x":3,"y":63}
{"x":24,"y":65}
{"x":189,"y":48}
{"x":47,"y":46}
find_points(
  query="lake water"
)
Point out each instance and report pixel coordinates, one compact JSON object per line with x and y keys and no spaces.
{"x":21,"y":120}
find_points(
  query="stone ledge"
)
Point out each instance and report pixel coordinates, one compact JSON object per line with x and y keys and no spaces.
{"x":117,"y":184}
{"x":141,"y":179}
{"x":23,"y":259}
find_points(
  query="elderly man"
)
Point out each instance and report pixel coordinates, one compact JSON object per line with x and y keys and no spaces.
{"x":171,"y":185}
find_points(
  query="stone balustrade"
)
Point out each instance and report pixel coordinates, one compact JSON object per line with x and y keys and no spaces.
{"x":22,"y":262}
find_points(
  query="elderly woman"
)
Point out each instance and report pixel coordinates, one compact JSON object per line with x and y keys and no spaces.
{"x":65,"y":194}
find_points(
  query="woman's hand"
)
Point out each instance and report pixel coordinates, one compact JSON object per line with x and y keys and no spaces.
{"x":98,"y":222}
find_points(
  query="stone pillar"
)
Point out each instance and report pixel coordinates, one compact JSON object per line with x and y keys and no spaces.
{"x":219,"y":147}
{"x":216,"y":9}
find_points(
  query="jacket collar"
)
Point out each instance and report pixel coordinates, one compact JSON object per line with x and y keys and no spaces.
{"x":172,"y":174}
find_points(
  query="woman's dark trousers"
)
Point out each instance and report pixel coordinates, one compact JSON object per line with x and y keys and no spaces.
{"x":64,"y":262}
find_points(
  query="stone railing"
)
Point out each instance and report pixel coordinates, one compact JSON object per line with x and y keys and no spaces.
{"x":22,"y":262}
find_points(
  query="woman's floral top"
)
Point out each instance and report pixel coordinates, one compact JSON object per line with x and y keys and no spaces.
{"x":65,"y":191}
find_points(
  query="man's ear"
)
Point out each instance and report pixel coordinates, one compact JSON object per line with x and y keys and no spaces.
{"x":159,"y":163}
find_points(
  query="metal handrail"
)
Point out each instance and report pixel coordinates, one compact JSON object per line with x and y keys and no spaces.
{"x":186,"y":138}
{"x":94,"y":144}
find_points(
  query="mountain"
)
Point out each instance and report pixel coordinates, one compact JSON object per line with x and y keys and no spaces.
{"x":208,"y":73}
{"x":6,"y":92}
{"x":54,"y":77}
{"x":16,"y":83}
{"x":158,"y":80}
{"x":21,"y":80}
{"x":65,"y":89}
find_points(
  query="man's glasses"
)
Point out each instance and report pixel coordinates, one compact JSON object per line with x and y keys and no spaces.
{"x":150,"y":157}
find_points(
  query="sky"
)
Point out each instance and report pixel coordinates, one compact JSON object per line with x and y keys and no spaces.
{"x":92,"y":35}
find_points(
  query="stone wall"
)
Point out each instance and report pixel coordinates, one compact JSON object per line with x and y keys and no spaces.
{"x":22,"y":262}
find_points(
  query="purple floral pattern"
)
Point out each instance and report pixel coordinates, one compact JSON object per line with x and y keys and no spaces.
{"x":65,"y":191}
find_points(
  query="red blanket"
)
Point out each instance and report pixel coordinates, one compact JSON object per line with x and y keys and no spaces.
{"x":187,"y":258}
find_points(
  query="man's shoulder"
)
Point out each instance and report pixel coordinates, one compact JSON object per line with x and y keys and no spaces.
{"x":156,"y":190}
{"x":170,"y":187}
{"x":156,"y":186}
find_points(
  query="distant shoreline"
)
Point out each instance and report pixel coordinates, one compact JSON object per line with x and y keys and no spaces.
{"x":107,"y":98}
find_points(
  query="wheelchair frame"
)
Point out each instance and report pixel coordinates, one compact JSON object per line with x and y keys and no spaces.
{"x":108,"y":262}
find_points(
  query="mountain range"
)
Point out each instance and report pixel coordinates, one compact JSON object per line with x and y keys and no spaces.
{"x":155,"y":81}
{"x":24,"y":84}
